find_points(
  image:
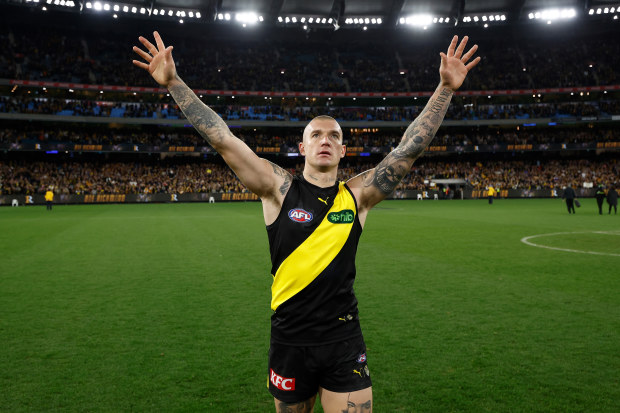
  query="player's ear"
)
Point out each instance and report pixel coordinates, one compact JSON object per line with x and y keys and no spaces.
{"x":344,"y":151}
{"x":302,"y":150}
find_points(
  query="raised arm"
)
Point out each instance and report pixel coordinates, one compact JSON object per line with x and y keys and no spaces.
{"x":262,"y":177}
{"x":374,"y":185}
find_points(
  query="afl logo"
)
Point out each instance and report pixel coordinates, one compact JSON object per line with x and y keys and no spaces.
{"x":299,"y":215}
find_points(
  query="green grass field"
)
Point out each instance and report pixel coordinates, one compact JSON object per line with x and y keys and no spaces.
{"x":165,"y":308}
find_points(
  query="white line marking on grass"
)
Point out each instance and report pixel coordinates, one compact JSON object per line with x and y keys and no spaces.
{"x":526,"y":240}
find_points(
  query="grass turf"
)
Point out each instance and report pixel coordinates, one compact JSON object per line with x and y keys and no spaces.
{"x":165,"y":308}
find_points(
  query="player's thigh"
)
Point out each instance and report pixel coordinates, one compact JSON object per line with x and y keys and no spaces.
{"x":307,"y":406}
{"x":359,"y":401}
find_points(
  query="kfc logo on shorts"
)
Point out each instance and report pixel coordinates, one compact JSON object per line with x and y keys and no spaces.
{"x":282,"y":383}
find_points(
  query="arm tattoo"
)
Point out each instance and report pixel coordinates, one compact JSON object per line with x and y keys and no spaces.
{"x":284,"y":174}
{"x":388,"y":174}
{"x":205,"y":120}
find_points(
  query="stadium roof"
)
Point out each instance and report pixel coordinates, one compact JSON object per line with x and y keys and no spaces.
{"x":344,"y":13}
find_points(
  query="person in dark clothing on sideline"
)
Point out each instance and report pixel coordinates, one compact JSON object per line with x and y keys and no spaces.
{"x":569,"y":196}
{"x":612,"y":200}
{"x":600,"y":197}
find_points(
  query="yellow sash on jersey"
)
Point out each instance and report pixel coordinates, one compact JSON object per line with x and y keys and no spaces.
{"x":313,"y":255}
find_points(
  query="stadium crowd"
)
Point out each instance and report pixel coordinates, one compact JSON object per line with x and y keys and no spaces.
{"x":287,"y":140}
{"x":19,"y":177}
{"x":296,"y":112}
{"x":44,"y":53}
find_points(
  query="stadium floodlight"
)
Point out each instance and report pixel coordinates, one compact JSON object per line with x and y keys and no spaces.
{"x":226,"y":16}
{"x":126,"y":9}
{"x":106,"y":7}
{"x":280,"y":19}
{"x":198,"y":15}
{"x":549,"y":15}
{"x":117,"y":7}
{"x":247,"y":17}
{"x":89,"y":5}
{"x":97,"y":6}
{"x":419,"y":20}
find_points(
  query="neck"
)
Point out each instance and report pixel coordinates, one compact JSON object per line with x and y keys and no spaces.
{"x":322,"y":179}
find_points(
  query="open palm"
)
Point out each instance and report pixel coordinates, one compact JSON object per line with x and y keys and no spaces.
{"x":454,"y":66}
{"x":159,"y":60}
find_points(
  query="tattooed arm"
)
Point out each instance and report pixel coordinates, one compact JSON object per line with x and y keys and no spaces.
{"x":372,"y":186}
{"x":262,"y":177}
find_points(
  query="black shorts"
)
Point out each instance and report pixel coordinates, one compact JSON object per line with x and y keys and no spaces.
{"x":297,"y":372}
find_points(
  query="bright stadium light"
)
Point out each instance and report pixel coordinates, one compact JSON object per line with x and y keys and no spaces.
{"x":247,"y":17}
{"x":550,"y":15}
{"x":419,"y":20}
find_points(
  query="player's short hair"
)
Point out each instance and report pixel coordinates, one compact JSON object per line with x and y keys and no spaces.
{"x":321,"y":117}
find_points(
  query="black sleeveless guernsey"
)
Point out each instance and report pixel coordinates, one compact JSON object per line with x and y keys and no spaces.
{"x":313,"y":243}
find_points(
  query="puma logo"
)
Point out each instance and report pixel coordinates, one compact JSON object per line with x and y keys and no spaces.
{"x":357,"y":372}
{"x":324,"y":200}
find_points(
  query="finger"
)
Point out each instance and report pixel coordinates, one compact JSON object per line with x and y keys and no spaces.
{"x":141,"y":65}
{"x":159,"y":41}
{"x":143,"y":54}
{"x":444,"y":58}
{"x":169,"y":51}
{"x":459,"y":50}
{"x":469,"y":54}
{"x":452,"y":46}
{"x":148,"y":45}
{"x":473,"y":63}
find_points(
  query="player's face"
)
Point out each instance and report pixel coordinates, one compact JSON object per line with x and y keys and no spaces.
{"x":322,"y":143}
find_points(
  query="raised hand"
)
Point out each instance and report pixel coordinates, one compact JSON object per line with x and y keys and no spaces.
{"x":159,"y":60}
{"x":454,"y":66}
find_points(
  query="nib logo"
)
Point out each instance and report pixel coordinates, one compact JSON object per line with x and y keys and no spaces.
{"x":280,"y":382}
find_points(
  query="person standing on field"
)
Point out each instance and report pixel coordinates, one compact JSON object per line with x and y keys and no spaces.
{"x":612,"y":200}
{"x":49,"y":198}
{"x":313,"y":224}
{"x":569,"y":197}
{"x":600,"y":198}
